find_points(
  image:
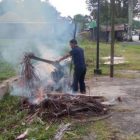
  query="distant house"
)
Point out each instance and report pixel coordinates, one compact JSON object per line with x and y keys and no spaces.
{"x":14,"y":26}
{"x":120,"y":32}
{"x":11,"y":26}
{"x":105,"y":31}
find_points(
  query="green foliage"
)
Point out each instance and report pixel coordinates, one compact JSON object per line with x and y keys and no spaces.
{"x":121,"y":10}
{"x":104,"y":10}
{"x":81,"y":21}
{"x":136,"y":24}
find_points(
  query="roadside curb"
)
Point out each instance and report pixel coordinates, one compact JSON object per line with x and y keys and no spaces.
{"x":5,"y":86}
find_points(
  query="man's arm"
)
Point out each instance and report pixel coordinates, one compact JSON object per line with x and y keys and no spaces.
{"x":64,"y":57}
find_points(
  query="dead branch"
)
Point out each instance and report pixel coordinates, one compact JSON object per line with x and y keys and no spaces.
{"x":61,"y":131}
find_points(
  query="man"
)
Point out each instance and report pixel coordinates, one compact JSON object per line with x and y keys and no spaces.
{"x":78,"y":59}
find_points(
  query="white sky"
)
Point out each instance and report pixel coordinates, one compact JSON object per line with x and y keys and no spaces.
{"x":70,"y":7}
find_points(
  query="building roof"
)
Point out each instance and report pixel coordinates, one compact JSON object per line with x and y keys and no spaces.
{"x":119,"y":27}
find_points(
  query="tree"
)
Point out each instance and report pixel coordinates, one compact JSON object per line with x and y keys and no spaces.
{"x":121,"y":10}
{"x":130,"y":19}
{"x":137,"y":9}
{"x":81,"y":21}
{"x":104,"y":8}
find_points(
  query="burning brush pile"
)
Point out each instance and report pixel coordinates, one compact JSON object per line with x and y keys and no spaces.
{"x":53,"y":103}
{"x":28,"y":75}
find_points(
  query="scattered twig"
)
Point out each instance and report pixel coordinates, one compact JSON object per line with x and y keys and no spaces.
{"x":23,"y":135}
{"x":31,"y":117}
{"x":61,"y":131}
{"x":92,"y":120}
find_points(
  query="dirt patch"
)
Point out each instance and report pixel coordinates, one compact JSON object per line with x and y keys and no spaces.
{"x":129,"y":73}
{"x":126,"y":114}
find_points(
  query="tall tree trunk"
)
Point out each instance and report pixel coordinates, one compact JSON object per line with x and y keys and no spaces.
{"x":130,"y":19}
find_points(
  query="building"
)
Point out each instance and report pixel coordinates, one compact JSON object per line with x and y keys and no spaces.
{"x":120,"y":32}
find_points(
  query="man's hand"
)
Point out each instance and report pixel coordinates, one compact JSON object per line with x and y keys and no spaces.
{"x":57,"y":61}
{"x":63,"y":58}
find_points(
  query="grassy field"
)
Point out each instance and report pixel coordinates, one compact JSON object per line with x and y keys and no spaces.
{"x":6,"y":71}
{"x":131,"y":54}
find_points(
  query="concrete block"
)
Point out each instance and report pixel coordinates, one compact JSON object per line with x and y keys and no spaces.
{"x":3,"y":90}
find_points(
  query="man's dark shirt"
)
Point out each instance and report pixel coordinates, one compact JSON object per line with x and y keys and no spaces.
{"x":77,"y":54}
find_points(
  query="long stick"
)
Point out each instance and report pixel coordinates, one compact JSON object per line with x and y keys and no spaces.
{"x":43,"y":60}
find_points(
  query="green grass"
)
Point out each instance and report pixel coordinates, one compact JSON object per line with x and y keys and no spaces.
{"x":103,"y":131}
{"x":131,"y":53}
{"x":6,"y":71}
{"x":77,"y":132}
{"x":12,"y":124}
{"x":99,"y":129}
{"x":9,"y":118}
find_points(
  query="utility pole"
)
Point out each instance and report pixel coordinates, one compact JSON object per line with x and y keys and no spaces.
{"x":97,"y":70}
{"x":130,"y":19}
{"x":112,"y":38}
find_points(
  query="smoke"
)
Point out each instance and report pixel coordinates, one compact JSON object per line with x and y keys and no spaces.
{"x":32,"y":26}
